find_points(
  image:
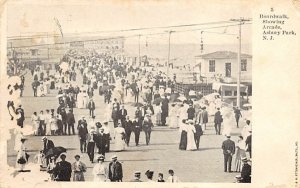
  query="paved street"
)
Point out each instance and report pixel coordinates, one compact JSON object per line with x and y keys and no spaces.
{"x":205,"y":165}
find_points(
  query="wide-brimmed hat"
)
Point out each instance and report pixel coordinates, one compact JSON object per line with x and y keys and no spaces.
{"x":77,"y":156}
{"x":244,"y":159}
{"x":114,"y":157}
{"x":100,"y":157}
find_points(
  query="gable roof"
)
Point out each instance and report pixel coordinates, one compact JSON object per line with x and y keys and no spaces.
{"x":222,"y":55}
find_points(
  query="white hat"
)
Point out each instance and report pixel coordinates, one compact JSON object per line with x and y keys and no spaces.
{"x":114,"y":157}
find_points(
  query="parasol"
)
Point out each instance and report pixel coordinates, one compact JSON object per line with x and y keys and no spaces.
{"x":56,"y":151}
{"x":180,"y":99}
{"x":138,"y":104}
{"x":64,"y":66}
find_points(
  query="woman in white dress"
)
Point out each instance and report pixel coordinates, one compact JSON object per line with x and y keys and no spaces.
{"x":157,"y":111}
{"x":228,"y":118}
{"x":35,"y":123}
{"x":53,"y":124}
{"x":119,"y":138}
{"x":80,"y":100}
{"x":173,"y":118}
{"x":85,"y":99}
{"x":100,"y":170}
{"x":190,"y":128}
{"x":21,"y":156}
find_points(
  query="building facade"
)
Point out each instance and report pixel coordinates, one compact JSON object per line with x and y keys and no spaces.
{"x":223,"y":65}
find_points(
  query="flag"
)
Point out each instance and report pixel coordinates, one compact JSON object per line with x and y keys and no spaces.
{"x":59,"y":26}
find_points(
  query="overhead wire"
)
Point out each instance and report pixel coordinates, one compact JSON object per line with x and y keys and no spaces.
{"x":135,"y":35}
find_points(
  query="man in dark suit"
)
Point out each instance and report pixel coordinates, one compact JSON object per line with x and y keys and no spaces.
{"x":191,"y":112}
{"x":164,"y":110}
{"x":249,"y":143}
{"x":82,"y":133}
{"x":62,"y":170}
{"x":246,"y":171}
{"x":34,"y":87}
{"x":122,"y":113}
{"x":228,"y":147}
{"x":137,"y":127}
{"x":101,"y":141}
{"x":218,"y":121}
{"x":71,"y":121}
{"x":203,"y":117}
{"x":147,"y":128}
{"x":128,"y":129}
{"x":48,"y":144}
{"x":138,"y":113}
{"x":198,"y":134}
{"x":91,"y":107}
{"x":115,"y":171}
{"x":237,"y":115}
{"x":91,"y":137}
{"x":63,"y":114}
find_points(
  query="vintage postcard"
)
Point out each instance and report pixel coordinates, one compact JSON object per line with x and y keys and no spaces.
{"x":150,"y":93}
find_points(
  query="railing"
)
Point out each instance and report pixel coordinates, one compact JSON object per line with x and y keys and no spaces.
{"x":204,"y":88}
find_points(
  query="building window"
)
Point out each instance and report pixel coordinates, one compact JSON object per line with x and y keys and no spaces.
{"x":244,"y":65}
{"x":34,"y":52}
{"x":228,"y":93}
{"x":228,"y":69}
{"x":212,"y":65}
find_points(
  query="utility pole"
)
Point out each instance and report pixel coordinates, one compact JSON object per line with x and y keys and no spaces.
{"x":139,"y":50}
{"x":238,"y":95}
{"x":169,"y":50}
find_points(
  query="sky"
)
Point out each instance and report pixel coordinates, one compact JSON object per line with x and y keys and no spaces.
{"x":98,"y":16}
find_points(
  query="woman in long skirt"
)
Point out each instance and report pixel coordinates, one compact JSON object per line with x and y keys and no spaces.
{"x":157,"y":110}
{"x":53,"y":125}
{"x":100,"y":170}
{"x":119,"y":138}
{"x":191,"y":144}
{"x":240,"y":153}
{"x":22,"y":158}
{"x":183,"y":135}
{"x":173,"y":118}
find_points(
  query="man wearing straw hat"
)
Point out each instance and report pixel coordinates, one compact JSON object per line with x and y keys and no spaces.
{"x":91,"y":144}
{"x":115,"y":173}
{"x":78,"y":169}
{"x":228,"y":147}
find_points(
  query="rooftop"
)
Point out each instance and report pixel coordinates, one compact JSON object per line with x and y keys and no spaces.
{"x":222,"y":55}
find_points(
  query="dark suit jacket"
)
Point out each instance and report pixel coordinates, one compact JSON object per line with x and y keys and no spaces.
{"x":191,"y":113}
{"x":199,"y":131}
{"x":137,"y":126}
{"x":48,"y":145}
{"x":249,"y":143}
{"x":115,"y":173}
{"x":246,"y":173}
{"x":101,"y":140}
{"x":82,"y":129}
{"x":228,"y":145}
{"x":128,"y":126}
{"x":91,"y":105}
{"x":218,"y":117}
{"x":63,"y":170}
{"x":121,"y":115}
{"x":70,"y":118}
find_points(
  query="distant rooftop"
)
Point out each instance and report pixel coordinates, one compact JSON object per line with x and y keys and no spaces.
{"x":222,"y":55}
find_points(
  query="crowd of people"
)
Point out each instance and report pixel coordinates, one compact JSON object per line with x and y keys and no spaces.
{"x":122,"y":86}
